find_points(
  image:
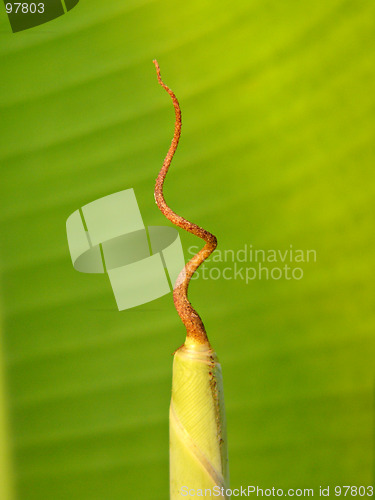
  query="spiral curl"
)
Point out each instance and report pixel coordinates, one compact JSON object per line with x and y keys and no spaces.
{"x":193,"y":323}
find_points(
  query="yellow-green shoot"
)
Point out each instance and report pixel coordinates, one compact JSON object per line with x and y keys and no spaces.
{"x":197,"y":427}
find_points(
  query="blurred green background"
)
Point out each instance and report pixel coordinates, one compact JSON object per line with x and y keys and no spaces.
{"x":277,"y":150}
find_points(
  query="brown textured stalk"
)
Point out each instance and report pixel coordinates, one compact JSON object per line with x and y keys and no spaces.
{"x":189,"y":316}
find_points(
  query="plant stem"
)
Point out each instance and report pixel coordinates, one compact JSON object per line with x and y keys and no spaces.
{"x":194,"y":325}
{"x":197,"y":426}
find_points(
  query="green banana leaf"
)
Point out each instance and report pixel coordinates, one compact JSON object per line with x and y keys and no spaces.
{"x":277,"y":153}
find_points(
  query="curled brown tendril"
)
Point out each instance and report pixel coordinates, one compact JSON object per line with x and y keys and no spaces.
{"x":189,"y":316}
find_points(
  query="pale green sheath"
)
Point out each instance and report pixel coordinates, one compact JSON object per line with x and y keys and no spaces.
{"x":198,"y":441}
